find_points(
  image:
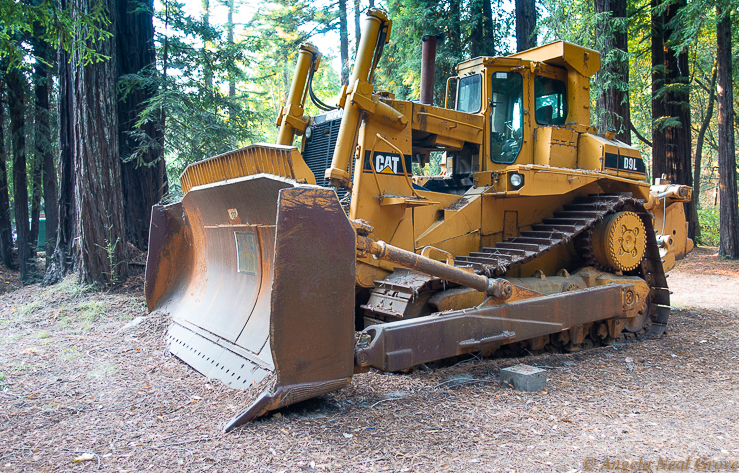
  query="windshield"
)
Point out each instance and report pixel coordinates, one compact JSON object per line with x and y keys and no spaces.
{"x":551,"y":106}
{"x":506,"y":134}
{"x":469,"y":97}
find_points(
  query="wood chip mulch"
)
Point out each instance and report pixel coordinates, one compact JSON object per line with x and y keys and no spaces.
{"x":76,"y":385}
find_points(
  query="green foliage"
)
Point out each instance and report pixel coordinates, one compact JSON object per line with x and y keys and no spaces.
{"x":400,"y":68}
{"x":28,"y":309}
{"x":278,"y":31}
{"x":58,"y":27}
{"x":433,"y":168}
{"x":110,"y":254}
{"x":91,"y":311}
{"x":574,"y":21}
{"x":191,"y":106}
{"x":197,"y":63}
{"x":69,"y":287}
{"x":709,"y":222}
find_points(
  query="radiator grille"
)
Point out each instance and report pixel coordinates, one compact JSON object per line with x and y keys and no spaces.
{"x":319,"y":150}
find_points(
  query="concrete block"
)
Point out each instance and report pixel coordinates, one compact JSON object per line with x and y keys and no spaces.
{"x":524,"y":378}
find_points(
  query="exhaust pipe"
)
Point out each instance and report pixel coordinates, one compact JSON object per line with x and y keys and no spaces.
{"x":428,"y":66}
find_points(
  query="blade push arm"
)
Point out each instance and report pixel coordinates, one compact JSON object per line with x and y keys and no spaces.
{"x":498,"y":288}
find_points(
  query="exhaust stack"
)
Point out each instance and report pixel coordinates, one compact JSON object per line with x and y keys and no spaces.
{"x":428,"y":66}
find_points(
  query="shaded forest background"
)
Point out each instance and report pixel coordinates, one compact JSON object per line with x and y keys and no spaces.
{"x":104,"y":103}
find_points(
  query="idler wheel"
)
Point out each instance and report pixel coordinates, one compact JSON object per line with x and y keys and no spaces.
{"x":619,"y":241}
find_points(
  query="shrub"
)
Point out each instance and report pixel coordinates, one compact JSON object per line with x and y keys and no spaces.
{"x":709,"y":222}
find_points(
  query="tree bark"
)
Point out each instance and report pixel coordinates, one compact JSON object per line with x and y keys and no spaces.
{"x":454,"y":39}
{"x":671,"y":138}
{"x":453,"y":47}
{"x":455,"y":33}
{"x":98,"y":194}
{"x":43,"y":145}
{"x":207,"y":70}
{"x":230,"y":39}
{"x":488,"y":28}
{"x":17,"y":88}
{"x":729,"y":218}
{"x":613,"y":102}
{"x":482,"y":38}
{"x":357,"y":27}
{"x":525,"y":24}
{"x":36,"y":177}
{"x":695,"y":199}
{"x":143,"y":178}
{"x":6,"y":231}
{"x":344,"y":40}
{"x":64,"y":258}
{"x":658,"y":81}
{"x":477,"y":35}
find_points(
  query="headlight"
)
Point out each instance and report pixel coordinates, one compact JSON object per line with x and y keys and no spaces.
{"x":516,"y":180}
{"x":308,"y":132}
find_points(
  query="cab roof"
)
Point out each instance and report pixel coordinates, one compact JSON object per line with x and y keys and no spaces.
{"x":559,"y":53}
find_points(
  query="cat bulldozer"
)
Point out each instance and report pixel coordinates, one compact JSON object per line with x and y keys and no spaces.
{"x":288,"y":269}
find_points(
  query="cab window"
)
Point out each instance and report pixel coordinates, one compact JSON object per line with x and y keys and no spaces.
{"x":506,"y":134}
{"x":469,"y":97}
{"x":551,"y":101}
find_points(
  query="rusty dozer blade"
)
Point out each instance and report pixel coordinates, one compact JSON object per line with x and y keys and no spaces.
{"x":258,"y":274}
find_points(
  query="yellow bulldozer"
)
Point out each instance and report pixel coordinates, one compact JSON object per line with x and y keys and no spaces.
{"x":288,"y":269}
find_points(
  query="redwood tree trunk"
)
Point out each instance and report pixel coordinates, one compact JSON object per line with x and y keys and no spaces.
{"x":488,"y":28}
{"x":36,"y":176}
{"x":482,"y":41}
{"x":525,"y":24}
{"x":6,"y":232}
{"x":613,"y":102}
{"x":144,"y":178}
{"x":230,"y":39}
{"x":671,"y":136}
{"x":344,"y":40}
{"x":477,"y":36}
{"x":99,"y":198}
{"x":17,"y":99}
{"x":64,"y":258}
{"x":454,"y":38}
{"x":695,"y":198}
{"x":357,"y":27}
{"x":729,"y":220}
{"x":43,"y":145}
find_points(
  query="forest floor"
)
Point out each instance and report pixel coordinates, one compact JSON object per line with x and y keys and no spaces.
{"x":74,"y":383}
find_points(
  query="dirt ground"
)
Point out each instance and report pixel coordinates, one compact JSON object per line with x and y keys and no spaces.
{"x":74,"y":382}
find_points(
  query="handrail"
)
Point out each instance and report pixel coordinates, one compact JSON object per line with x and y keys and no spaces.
{"x":426,"y":251}
{"x":450,"y":120}
{"x":402,"y":160}
{"x":446,"y":96}
{"x":372,"y":164}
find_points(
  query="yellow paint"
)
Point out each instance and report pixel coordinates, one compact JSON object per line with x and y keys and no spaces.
{"x":379,"y":136}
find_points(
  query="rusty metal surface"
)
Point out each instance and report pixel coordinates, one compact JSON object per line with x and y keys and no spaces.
{"x":312,"y":303}
{"x":426,"y":265}
{"x":551,"y":233}
{"x":169,"y":257}
{"x":400,"y":345}
{"x":650,"y":269}
{"x":250,"y":160}
{"x":210,"y":267}
{"x":403,"y":294}
{"x":259,"y":278}
{"x":428,"y":68}
{"x":313,"y":292}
